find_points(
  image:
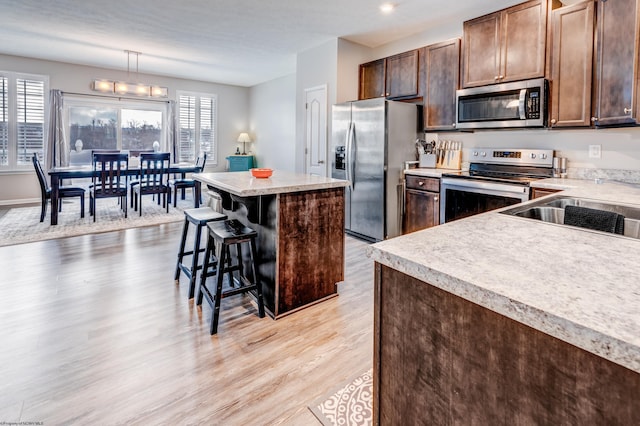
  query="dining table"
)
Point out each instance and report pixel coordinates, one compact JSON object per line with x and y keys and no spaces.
{"x":59,"y":174}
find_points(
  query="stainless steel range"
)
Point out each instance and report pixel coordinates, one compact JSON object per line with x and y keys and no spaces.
{"x":496,"y":178}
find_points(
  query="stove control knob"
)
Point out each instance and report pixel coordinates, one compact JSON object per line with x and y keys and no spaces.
{"x":543,"y":156}
{"x":484,"y":154}
{"x":532,"y":155}
{"x":475,"y":153}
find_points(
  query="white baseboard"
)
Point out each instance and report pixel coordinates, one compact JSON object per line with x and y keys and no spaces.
{"x":19,"y":202}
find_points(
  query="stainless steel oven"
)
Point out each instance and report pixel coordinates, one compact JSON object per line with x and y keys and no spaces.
{"x":497,"y":178}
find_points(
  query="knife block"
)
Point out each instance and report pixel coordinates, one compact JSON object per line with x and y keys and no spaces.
{"x":451,"y":159}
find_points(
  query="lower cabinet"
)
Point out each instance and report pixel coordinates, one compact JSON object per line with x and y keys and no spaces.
{"x":539,"y":192}
{"x":421,"y":203}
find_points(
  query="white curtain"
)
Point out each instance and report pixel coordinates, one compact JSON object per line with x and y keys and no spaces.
{"x":57,"y":151}
{"x":172,"y":134}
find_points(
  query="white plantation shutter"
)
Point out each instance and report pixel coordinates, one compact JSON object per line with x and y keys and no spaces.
{"x":30,"y":119}
{"x":197,"y":126}
{"x":23,"y":105}
{"x":4,"y":121}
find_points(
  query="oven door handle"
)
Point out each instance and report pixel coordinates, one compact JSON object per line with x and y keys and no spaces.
{"x":484,"y":186}
{"x":521,"y":102}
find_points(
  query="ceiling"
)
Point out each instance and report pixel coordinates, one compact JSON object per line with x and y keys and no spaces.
{"x":240,"y":42}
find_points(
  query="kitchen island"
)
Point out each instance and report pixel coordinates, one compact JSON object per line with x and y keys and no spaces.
{"x":300,"y":224}
{"x":498,"y":319}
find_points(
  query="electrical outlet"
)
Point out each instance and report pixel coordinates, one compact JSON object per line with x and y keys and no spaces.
{"x":595,"y":151}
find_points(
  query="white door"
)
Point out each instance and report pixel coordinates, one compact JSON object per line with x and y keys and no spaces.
{"x":316,"y":131}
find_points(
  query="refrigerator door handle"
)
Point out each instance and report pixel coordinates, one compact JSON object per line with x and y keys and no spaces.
{"x":349,"y":142}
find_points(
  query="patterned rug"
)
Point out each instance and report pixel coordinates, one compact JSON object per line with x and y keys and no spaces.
{"x":348,"y":405}
{"x":22,"y":225}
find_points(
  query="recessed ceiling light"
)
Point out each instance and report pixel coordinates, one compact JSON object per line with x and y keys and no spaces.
{"x":387,"y":7}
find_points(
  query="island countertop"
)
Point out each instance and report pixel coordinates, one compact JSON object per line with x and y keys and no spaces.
{"x":580,"y":286}
{"x":245,"y":185}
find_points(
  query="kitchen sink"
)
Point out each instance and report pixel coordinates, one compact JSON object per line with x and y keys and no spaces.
{"x":551,"y":210}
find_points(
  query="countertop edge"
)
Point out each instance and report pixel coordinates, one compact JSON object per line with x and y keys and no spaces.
{"x":593,"y":341}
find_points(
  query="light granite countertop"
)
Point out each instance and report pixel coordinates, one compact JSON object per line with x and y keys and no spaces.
{"x":580,"y":286}
{"x":245,"y":185}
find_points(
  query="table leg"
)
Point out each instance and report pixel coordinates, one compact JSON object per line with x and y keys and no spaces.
{"x":196,"y":194}
{"x":55,"y":191}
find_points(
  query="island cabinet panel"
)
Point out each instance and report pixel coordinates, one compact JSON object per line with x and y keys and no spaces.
{"x":310,"y":247}
{"x":572,"y":65}
{"x":440,"y":359}
{"x":507,"y":45}
{"x":616,"y":93}
{"x":442,"y":63}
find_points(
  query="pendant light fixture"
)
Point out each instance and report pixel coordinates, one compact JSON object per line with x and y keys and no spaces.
{"x":130,"y":88}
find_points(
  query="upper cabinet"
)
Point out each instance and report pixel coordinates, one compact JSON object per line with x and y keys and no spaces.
{"x":442,"y":79}
{"x":372,"y":80}
{"x":572,"y":65}
{"x":394,"y":77}
{"x":507,"y":45}
{"x":616,"y":75}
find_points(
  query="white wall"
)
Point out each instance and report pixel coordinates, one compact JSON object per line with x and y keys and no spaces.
{"x":273,"y":123}
{"x":314,"y":67}
{"x":233,"y":111}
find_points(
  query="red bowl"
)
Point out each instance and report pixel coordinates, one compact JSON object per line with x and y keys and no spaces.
{"x":261,"y":173}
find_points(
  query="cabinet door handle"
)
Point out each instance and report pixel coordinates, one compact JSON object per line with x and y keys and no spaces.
{"x":420,"y":183}
{"x":320,"y":162}
{"x":627,"y":110}
{"x":435,"y":199}
{"x":594,"y":119}
{"x":553,"y":121}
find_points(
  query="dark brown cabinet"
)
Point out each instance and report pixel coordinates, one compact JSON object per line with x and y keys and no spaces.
{"x":616,"y":75}
{"x":541,"y":192}
{"x":372,"y":79}
{"x":507,"y":45}
{"x":572,"y":65}
{"x":394,"y":77}
{"x":402,"y":75}
{"x":442,"y":79}
{"x":422,"y":203}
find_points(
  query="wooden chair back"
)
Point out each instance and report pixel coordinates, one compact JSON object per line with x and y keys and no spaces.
{"x":154,"y":169}
{"x":42,"y":178}
{"x":112,"y":174}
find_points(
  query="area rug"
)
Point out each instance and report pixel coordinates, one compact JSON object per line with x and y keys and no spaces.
{"x":22,"y":225}
{"x":349,"y":404}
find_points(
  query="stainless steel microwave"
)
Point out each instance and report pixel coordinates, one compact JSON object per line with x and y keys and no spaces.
{"x":516,"y":104}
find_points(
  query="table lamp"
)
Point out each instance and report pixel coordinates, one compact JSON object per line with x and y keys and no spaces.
{"x":244,"y":138}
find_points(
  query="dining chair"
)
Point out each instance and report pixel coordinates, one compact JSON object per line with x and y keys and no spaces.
{"x":64,"y":191}
{"x":109,"y":181}
{"x":184,"y":183}
{"x":152,"y":179}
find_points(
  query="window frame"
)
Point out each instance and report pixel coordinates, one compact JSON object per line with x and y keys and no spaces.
{"x":118,"y":104}
{"x":212,"y":155}
{"x":12,"y":114}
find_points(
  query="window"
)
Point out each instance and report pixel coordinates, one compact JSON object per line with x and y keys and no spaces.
{"x":197,"y":126}
{"x":23,"y":100}
{"x":115,"y":124}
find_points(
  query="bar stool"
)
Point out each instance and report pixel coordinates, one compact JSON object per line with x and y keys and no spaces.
{"x":221,"y":236}
{"x":199,"y":217}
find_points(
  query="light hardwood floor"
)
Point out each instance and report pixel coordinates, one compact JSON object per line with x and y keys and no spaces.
{"x":95,"y":331}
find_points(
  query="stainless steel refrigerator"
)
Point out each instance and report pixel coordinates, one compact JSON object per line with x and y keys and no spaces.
{"x":371,"y":140}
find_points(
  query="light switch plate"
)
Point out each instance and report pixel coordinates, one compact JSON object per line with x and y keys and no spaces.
{"x":595,"y":151}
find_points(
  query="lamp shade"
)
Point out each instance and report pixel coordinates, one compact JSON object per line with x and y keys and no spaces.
{"x":244,"y":137}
